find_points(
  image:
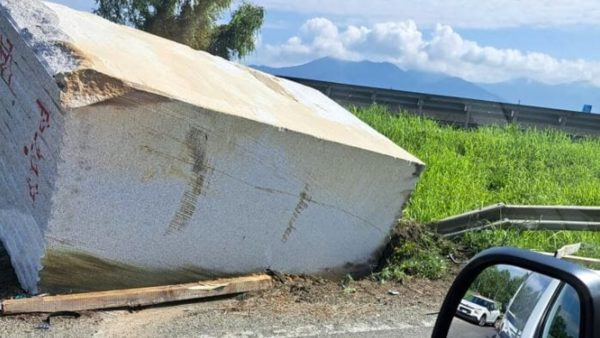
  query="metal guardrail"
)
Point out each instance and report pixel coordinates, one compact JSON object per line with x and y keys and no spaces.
{"x":573,"y":218}
{"x":458,"y":111}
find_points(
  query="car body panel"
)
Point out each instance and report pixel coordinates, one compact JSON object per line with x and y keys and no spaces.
{"x":509,"y":329}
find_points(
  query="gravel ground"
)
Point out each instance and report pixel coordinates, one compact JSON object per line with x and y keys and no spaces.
{"x":299,"y":307}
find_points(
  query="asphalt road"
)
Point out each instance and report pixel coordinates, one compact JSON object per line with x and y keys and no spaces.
{"x":464,"y":329}
{"x":253,"y":317}
{"x":302,"y":307}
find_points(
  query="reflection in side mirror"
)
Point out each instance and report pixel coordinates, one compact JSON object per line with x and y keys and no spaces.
{"x":508,"y":301}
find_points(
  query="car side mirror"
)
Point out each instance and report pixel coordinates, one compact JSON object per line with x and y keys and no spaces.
{"x":537,"y":296}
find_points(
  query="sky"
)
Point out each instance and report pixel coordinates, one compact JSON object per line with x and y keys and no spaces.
{"x":550,"y":41}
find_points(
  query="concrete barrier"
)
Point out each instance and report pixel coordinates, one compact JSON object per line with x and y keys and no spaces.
{"x":128,"y":160}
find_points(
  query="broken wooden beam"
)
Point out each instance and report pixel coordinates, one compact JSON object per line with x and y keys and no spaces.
{"x":575,"y":259}
{"x":135,"y":297}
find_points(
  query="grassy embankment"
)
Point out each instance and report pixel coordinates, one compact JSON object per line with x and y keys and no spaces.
{"x":468,"y":169}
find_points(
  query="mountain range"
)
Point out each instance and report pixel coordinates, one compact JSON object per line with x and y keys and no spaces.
{"x":387,"y":75}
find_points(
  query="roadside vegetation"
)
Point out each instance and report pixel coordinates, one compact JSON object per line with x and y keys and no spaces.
{"x":415,"y":251}
{"x":469,"y":169}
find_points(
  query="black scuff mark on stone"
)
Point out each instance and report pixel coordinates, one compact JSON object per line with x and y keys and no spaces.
{"x":313,"y":201}
{"x":406,"y":195}
{"x":195,"y":141}
{"x":305,"y":199}
{"x":7,"y":126}
{"x":9,"y":284}
{"x":419,"y":168}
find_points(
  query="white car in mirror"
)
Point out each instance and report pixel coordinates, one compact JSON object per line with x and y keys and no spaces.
{"x":480,"y":309}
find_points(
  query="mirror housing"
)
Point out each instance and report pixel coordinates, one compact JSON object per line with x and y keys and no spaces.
{"x":586,"y":282}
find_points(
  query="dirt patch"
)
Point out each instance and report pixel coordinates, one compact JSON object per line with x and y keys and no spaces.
{"x":346,"y":298}
{"x":302,"y":306}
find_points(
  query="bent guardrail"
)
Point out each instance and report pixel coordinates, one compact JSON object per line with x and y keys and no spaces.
{"x":574,"y":218}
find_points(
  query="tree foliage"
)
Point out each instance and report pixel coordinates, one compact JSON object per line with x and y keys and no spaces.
{"x":191,"y":22}
{"x":497,"y":284}
{"x":559,"y":327}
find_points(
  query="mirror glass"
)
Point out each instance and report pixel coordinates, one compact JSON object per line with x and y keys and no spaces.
{"x":507,"y":301}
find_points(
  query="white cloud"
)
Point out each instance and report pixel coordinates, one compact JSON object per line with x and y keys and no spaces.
{"x":403,"y":44}
{"x":457,"y":13}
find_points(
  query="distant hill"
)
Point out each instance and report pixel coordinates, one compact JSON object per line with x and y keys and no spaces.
{"x":382,"y":75}
{"x":565,"y":96}
{"x":386,"y":75}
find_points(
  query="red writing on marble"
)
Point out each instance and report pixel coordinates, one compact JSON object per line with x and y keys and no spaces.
{"x":34,"y":152}
{"x":6,"y":59}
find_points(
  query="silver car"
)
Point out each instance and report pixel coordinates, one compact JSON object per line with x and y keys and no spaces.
{"x":542,"y":302}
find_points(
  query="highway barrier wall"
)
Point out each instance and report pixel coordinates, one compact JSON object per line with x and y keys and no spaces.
{"x":459,"y":111}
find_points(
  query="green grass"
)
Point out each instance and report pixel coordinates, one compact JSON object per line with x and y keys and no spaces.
{"x":468,"y":169}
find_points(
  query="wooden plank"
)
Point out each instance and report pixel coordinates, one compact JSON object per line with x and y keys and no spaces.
{"x":136,"y":297}
{"x":575,"y":259}
{"x":567,"y":250}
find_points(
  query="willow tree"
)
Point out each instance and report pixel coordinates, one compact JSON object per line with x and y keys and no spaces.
{"x":191,"y":22}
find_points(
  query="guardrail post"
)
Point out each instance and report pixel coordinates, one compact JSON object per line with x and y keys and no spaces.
{"x":514,"y":115}
{"x":420,"y":107}
{"x":468,"y":119}
{"x":328,"y":91}
{"x":374,"y":98}
{"x":562,"y":121}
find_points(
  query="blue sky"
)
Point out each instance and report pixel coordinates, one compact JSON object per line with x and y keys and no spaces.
{"x":550,"y":41}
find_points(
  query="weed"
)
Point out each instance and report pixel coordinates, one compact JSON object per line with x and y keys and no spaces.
{"x":347,"y":283}
{"x":417,"y":252}
{"x":469,"y":169}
